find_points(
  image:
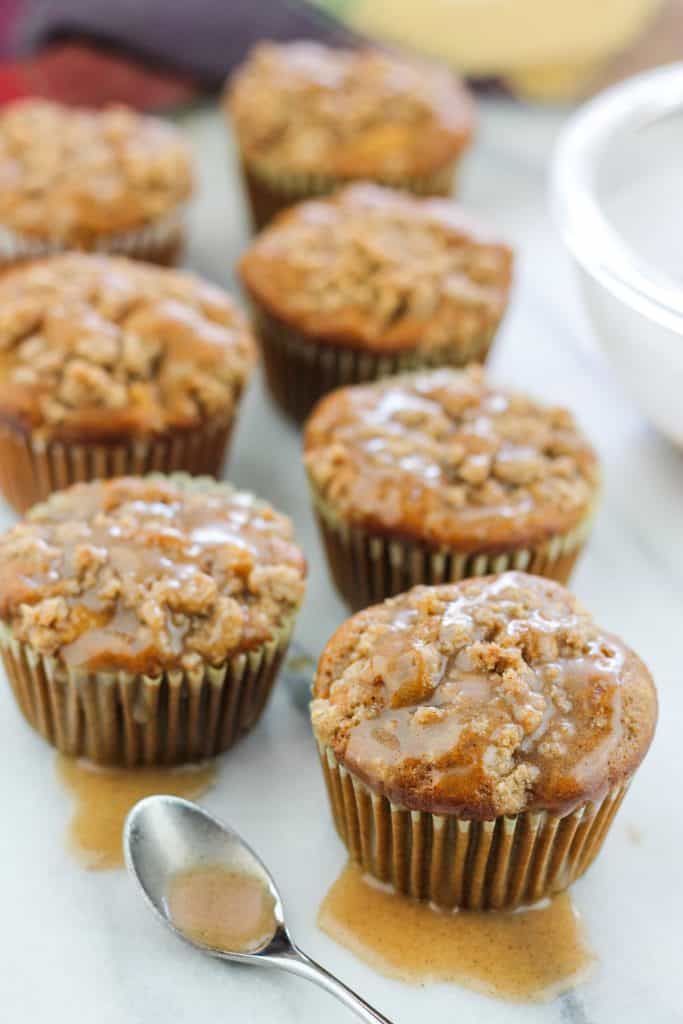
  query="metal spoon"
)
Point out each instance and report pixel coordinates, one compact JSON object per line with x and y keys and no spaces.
{"x":164,"y":835}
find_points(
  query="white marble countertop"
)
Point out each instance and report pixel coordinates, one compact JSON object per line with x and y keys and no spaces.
{"x":78,"y":947}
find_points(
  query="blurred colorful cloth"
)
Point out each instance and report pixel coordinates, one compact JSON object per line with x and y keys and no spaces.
{"x":159,"y":53}
{"x":151,"y":53}
{"x":78,"y":73}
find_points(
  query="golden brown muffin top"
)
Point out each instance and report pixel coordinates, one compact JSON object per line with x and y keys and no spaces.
{"x":496,"y":695}
{"x":73,"y":175}
{"x":448,"y":459}
{"x":378,"y":269}
{"x":143,"y":574}
{"x":304,"y":108}
{"x":102,"y":346}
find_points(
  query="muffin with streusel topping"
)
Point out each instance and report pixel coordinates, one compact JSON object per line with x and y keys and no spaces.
{"x":436,"y":476}
{"x":309,"y":118}
{"x":111,"y":366}
{"x":143,"y":620}
{"x":109,"y":180}
{"x":369,"y":282}
{"x":477,"y":738}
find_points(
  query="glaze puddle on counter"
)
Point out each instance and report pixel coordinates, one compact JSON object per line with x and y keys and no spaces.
{"x":222,"y":909}
{"x":526,"y":955}
{"x":105,"y":795}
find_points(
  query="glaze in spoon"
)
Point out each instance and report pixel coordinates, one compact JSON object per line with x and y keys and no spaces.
{"x":168,"y":842}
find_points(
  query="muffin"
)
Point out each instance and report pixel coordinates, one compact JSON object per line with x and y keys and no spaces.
{"x":477,"y":738}
{"x":432,"y":477}
{"x":98,"y":180}
{"x":308,"y":118}
{"x":367,"y":283}
{"x":143,"y":620}
{"x":109,"y":366}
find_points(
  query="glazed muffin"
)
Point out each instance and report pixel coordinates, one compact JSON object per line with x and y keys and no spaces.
{"x":110,"y":366}
{"x":432,"y":477}
{"x":108,"y":181}
{"x":143,"y":620}
{"x":477,"y":738}
{"x":308,"y":118}
{"x":370,"y":282}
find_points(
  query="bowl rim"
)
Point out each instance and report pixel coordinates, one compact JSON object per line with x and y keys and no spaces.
{"x":595,"y":244}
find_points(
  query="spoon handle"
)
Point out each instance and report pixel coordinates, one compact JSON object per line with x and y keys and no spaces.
{"x":298,"y":963}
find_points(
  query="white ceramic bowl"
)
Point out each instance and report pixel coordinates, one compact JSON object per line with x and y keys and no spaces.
{"x":617,"y":196}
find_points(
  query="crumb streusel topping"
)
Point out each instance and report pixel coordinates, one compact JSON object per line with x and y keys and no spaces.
{"x":109,"y":345}
{"x":74,"y":175}
{"x":307,"y":108}
{"x":450,"y":459}
{"x":381,"y":269}
{"x":143,"y":574}
{"x":492,"y":696}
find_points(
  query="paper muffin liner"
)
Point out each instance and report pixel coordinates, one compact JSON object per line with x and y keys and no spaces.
{"x":300,"y":369}
{"x":368,"y":567}
{"x":498,"y":864}
{"x":161,"y":242}
{"x":269,"y":192}
{"x":31,"y":468}
{"x":130,"y":720}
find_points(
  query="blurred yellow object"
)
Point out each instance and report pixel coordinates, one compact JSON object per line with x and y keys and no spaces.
{"x":544,"y":49}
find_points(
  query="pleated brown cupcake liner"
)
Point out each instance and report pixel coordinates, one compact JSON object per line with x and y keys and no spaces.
{"x":268,"y":192}
{"x":453,"y":862}
{"x":367,"y":568}
{"x":161,"y":242}
{"x":31,"y":468}
{"x":300,"y":370}
{"x":119,"y":718}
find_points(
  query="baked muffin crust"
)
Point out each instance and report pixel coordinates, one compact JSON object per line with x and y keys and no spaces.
{"x":496,"y":695}
{"x":101,"y":347}
{"x":146,"y":574}
{"x":450,"y":460}
{"x":307,"y":108}
{"x":378,"y":269}
{"x":74,"y":175}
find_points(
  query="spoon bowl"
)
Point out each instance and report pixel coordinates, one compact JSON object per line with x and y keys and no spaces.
{"x":165,"y":836}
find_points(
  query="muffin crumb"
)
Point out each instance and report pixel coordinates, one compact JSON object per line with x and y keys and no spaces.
{"x":75,"y":176}
{"x":143,"y":574}
{"x":172,"y":351}
{"x":489,"y":697}
{"x":380,"y":269}
{"x":448,"y":458}
{"x":302,"y":107}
